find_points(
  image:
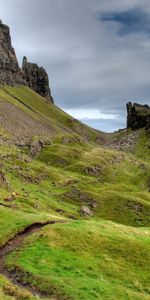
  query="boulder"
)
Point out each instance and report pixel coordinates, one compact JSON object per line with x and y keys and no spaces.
{"x":35,"y":148}
{"x":85,"y":210}
{"x":94,"y":171}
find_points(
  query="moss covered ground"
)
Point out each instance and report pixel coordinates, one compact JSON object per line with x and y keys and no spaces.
{"x":105,"y":256}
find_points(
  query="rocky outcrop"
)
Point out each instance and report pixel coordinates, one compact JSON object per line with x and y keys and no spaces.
{"x":138,"y":116}
{"x":10,"y":74}
{"x":2,"y":179}
{"x":37,"y":79}
{"x":85,"y":210}
{"x":126,"y":141}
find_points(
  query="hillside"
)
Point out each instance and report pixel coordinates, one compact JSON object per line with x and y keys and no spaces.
{"x":74,"y":201}
{"x":55,"y":168}
{"x":24,"y":115}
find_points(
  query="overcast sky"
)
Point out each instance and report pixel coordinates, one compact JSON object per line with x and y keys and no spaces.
{"x":96,"y":52}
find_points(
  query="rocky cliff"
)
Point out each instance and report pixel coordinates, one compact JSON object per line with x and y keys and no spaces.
{"x":10,"y":74}
{"x":36,"y":78}
{"x":138,"y":116}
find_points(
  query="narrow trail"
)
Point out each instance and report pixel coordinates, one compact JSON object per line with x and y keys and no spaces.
{"x":12,"y":245}
{"x":5,"y":205}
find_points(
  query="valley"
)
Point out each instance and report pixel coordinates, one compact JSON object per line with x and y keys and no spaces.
{"x":74,"y":201}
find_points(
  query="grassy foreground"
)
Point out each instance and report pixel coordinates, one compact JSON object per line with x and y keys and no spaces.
{"x":87,"y":260}
{"x":12,"y":222}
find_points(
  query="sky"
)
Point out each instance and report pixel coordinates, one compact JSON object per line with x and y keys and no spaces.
{"x":96,"y":52}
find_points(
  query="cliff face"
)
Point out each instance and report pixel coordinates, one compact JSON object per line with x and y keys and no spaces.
{"x":10,"y":74}
{"x":138,"y":116}
{"x":36,"y":78}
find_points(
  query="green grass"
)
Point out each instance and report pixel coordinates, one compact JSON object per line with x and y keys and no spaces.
{"x":88,"y":260}
{"x":92,"y":258}
{"x":143,"y":147}
{"x":50,"y":115}
{"x":60,"y":179}
{"x":13,"y":222}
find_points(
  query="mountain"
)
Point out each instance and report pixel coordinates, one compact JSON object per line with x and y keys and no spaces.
{"x":10,"y":72}
{"x":30,"y":75}
{"x":74,"y":201}
{"x":25,"y":114}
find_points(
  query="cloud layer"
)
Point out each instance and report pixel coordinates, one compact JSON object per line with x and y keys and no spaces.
{"x":131,"y":21}
{"x":97,"y":53}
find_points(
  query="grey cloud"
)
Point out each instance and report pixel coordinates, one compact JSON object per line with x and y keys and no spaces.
{"x":131,"y":21}
{"x":89,"y":65}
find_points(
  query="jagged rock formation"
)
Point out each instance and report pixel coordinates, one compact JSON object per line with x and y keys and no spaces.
{"x":10,"y":74}
{"x":138,"y":116}
{"x":36,"y":78}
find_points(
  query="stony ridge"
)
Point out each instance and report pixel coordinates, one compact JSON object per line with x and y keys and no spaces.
{"x":138,"y":116}
{"x":11,"y":74}
{"x":36,"y":78}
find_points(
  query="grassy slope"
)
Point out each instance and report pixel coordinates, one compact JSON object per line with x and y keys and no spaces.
{"x":88,"y":260}
{"x":59,"y":179}
{"x":70,"y":173}
{"x":14,"y":221}
{"x":143,"y":147}
{"x":58,"y":122}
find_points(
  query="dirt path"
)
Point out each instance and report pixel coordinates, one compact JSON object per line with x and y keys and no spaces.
{"x":5,"y":205}
{"x":13,"y":244}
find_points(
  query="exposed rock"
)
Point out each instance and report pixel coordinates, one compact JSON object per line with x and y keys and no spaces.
{"x":94,"y":171}
{"x":93,"y":204}
{"x":135,"y":206}
{"x":138,"y":116}
{"x":68,"y":139}
{"x":22,"y":127}
{"x":127,"y":142}
{"x":85,"y":210}
{"x":28,"y":160}
{"x":37,"y":79}
{"x":3,"y":180}
{"x":10,"y":73}
{"x":80,"y":196}
{"x":35,"y":148}
{"x":60,"y":211}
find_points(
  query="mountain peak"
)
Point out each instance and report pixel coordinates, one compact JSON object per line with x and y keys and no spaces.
{"x":10,"y":73}
{"x":30,"y":75}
